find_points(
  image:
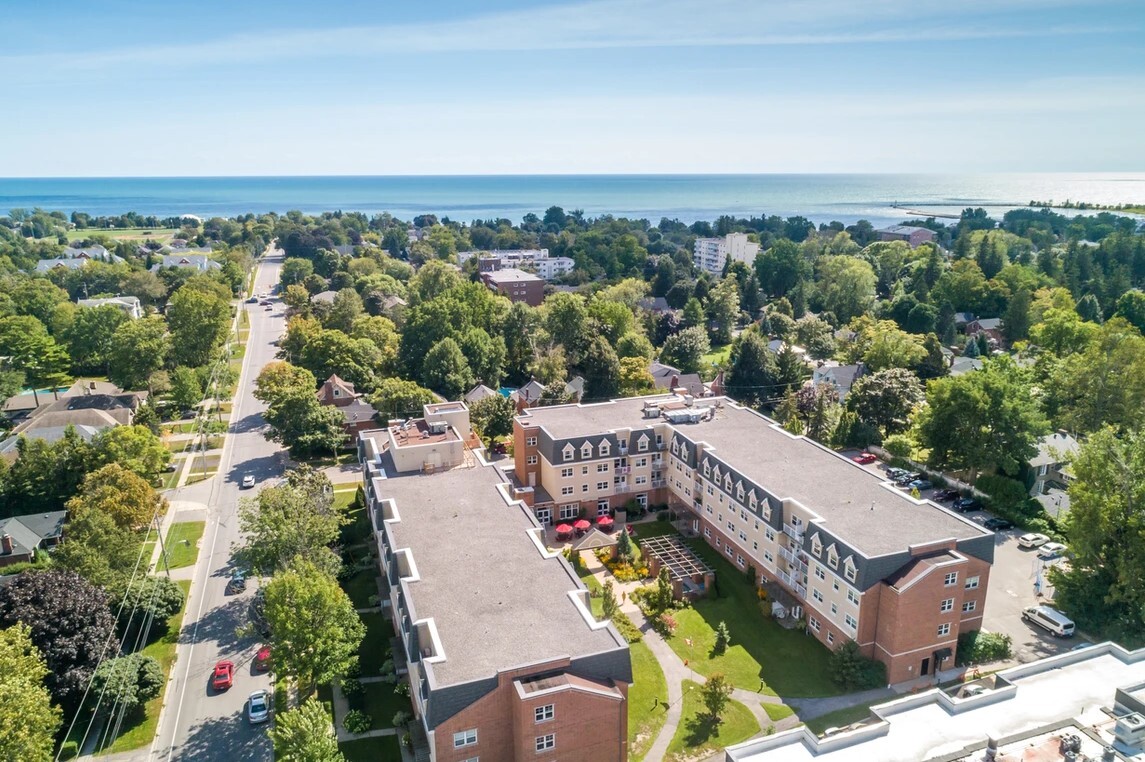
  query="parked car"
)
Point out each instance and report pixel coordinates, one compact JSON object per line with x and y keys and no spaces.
{"x":920,"y":484}
{"x":1051,"y":550}
{"x":252,"y":300}
{"x":896,"y":473}
{"x":257,"y":615}
{"x":907,"y":478}
{"x":224,"y":675}
{"x":995,"y":524}
{"x":865,"y":458}
{"x":945,"y":495}
{"x":966,"y":505}
{"x":237,"y":582}
{"x":1049,"y":619}
{"x":262,"y":659}
{"x":248,"y":481}
{"x":1032,"y":540}
{"x":264,"y":303}
{"x":268,"y":307}
{"x":258,"y":707}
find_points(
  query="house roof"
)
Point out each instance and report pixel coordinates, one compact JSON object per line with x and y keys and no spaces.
{"x":1055,"y":448}
{"x":46,"y":525}
{"x":988,"y":324}
{"x":509,"y":275}
{"x":903,"y":229}
{"x":44,"y":265}
{"x":530,"y":392}
{"x":576,"y":386}
{"x":842,"y":376}
{"x":663,"y":375}
{"x":962,"y":365}
{"x":324,"y":296}
{"x":593,"y":540}
{"x":27,"y":532}
{"x":961,"y":318}
{"x":654,"y":304}
{"x":358,"y":411}
{"x":393,"y":301}
{"x":479,"y":392}
{"x":126,"y":301}
{"x":197,"y":261}
{"x":24,"y":540}
{"x":326,"y":392}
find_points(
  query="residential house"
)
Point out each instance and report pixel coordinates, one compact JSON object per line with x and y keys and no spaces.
{"x":655,"y":304}
{"x":962,"y":365}
{"x":1085,"y":704}
{"x":128,"y":305}
{"x":478,"y":393}
{"x":712,"y":254}
{"x":199,"y":262}
{"x":991,"y":327}
{"x":19,"y":407}
{"x":1050,"y":466}
{"x":357,"y":414}
{"x":495,"y":632}
{"x":839,"y":377}
{"x":47,"y":265}
{"x":518,"y":285}
{"x":670,"y":379}
{"x":530,"y":394}
{"x":858,"y":559}
{"x":88,"y":413}
{"x":324,"y":297}
{"x":21,"y":537}
{"x":915,"y":236}
{"x":961,"y":319}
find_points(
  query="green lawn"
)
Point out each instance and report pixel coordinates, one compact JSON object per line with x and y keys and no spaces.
{"x":183,"y":543}
{"x":697,"y":736}
{"x":763,"y":656}
{"x":716,"y":356}
{"x":143,"y":234}
{"x":140,"y":732}
{"x":375,"y":648}
{"x":182,"y":427}
{"x":647,"y":701}
{"x":344,"y":498}
{"x":381,"y":703}
{"x":357,"y":531}
{"x":649,"y":529}
{"x":361,"y":586}
{"x":842,"y":717}
{"x":382,"y":749}
{"x":777,"y":712}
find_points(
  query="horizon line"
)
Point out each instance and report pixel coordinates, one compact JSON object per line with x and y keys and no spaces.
{"x":933,"y":173}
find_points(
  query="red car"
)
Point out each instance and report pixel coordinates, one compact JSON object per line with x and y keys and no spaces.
{"x":224,"y":676}
{"x":864,"y":458}
{"x":262,"y":659}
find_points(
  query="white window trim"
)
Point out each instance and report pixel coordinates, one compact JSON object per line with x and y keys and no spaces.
{"x":465,"y":738}
{"x":544,"y":713}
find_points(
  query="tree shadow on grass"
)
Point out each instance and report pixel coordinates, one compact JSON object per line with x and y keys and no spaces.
{"x":700,"y":729}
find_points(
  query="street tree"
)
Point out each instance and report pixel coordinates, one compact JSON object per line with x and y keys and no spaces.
{"x":886,"y":399}
{"x":717,"y":692}
{"x":981,"y":421}
{"x":129,"y":499}
{"x":313,"y":624}
{"x":199,"y":321}
{"x":305,"y":734}
{"x":99,"y":550}
{"x":138,"y":349}
{"x":186,"y":388}
{"x":686,"y":349}
{"x":27,"y":715}
{"x":135,"y":448}
{"x":126,"y":683}
{"x":68,"y":620}
{"x":89,"y":337}
{"x":493,"y":416}
{"x":297,"y":519}
{"x":150,"y":599}
{"x":446,"y":370}
{"x":399,"y":398}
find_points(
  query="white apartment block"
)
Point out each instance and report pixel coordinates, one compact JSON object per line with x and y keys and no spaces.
{"x":712,"y":254}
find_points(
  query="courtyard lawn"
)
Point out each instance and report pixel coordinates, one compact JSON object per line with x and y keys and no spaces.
{"x":375,"y":648}
{"x":777,"y":712}
{"x":380,"y":702}
{"x":183,"y":543}
{"x":647,"y":701}
{"x":697,"y":736}
{"x":378,"y":749}
{"x":361,"y":586}
{"x":717,"y":356}
{"x":763,"y":657}
{"x":649,"y":529}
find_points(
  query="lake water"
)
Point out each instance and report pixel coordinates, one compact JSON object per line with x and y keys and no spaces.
{"x":821,"y":198}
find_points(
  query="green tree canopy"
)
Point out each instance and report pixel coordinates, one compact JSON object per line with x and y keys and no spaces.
{"x":845,"y":286}
{"x":138,"y":349}
{"x":199,"y":321}
{"x":446,"y":370}
{"x":751,"y":375}
{"x":685,"y":350}
{"x":493,"y":416}
{"x":90,"y":335}
{"x":398,"y":398}
{"x":295,"y":519}
{"x":126,"y":497}
{"x":305,"y":734}
{"x":27,"y":715}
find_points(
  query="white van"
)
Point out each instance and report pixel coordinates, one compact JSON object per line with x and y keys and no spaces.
{"x":1049,"y":619}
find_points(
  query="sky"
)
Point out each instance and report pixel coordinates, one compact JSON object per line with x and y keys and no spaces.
{"x":297,"y":87}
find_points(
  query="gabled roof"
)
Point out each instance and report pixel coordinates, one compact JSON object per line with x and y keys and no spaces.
{"x":962,"y":365}
{"x":530,"y":392}
{"x":324,"y":296}
{"x":575,"y":387}
{"x":654,"y":304}
{"x":988,"y":324}
{"x":196,"y":261}
{"x":1058,"y":447}
{"x":358,"y":411}
{"x":344,"y":389}
{"x":46,"y":265}
{"x":24,"y":540}
{"x":479,"y":392}
{"x":593,"y":540}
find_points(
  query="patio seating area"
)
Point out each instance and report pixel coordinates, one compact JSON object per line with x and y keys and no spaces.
{"x":691,"y":576}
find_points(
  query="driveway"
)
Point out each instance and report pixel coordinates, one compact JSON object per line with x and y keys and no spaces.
{"x":197,"y":723}
{"x":1012,"y":589}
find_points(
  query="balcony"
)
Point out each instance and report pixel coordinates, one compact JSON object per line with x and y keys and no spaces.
{"x":794,"y":532}
{"x":793,"y":584}
{"x":656,"y":483}
{"x":623,"y":469}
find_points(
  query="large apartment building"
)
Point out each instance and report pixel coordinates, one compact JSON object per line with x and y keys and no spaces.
{"x":504,"y":657}
{"x":711,"y":254}
{"x":862,"y":560}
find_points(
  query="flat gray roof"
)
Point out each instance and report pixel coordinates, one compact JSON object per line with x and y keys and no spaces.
{"x":496,"y":601}
{"x":508,"y":275}
{"x":839,"y":491}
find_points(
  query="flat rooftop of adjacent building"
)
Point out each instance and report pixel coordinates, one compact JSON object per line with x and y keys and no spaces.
{"x":857,"y":505}
{"x":417,"y":432}
{"x":496,"y":601}
{"x":508,"y":275}
{"x":1059,"y":689}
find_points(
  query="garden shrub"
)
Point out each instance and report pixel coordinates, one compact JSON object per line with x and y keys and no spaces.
{"x":1008,"y":497}
{"x":899,"y":445}
{"x":357,"y":721}
{"x":352,"y":688}
{"x":69,"y":750}
{"x":665,"y":624}
{"x":402,"y":688}
{"x":401,"y":718}
{"x":629,"y":631}
{"x":853,"y":671}
{"x":977,"y":647}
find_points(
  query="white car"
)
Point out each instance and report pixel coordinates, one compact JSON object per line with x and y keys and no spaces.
{"x":258,"y":707}
{"x":1032,"y":540}
{"x":248,"y":481}
{"x":1051,"y":550}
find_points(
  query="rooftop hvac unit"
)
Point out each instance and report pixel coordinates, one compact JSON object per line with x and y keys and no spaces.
{"x":438,"y":427}
{"x":1130,"y":729}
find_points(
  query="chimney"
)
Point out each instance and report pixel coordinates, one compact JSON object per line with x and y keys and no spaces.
{"x":6,"y":542}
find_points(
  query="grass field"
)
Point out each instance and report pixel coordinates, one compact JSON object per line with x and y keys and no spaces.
{"x":382,"y":749}
{"x":375,"y":648}
{"x":124,"y":234}
{"x":717,"y":356}
{"x":777,"y":712}
{"x":142,"y":731}
{"x":183,"y":543}
{"x":647,"y":700}
{"x":697,"y":736}
{"x":763,"y":656}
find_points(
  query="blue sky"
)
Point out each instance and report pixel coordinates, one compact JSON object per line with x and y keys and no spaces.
{"x":137,"y":87}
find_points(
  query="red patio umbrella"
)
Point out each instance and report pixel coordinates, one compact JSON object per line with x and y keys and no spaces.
{"x":581,"y":524}
{"x":563,"y":529}
{"x":604,"y":521}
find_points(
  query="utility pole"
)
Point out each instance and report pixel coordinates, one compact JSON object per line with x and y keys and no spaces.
{"x":162,"y":546}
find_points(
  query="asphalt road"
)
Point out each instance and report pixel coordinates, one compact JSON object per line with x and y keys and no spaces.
{"x":197,"y":722}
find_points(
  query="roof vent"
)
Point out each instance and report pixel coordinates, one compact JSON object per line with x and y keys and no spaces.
{"x":1130,"y":729}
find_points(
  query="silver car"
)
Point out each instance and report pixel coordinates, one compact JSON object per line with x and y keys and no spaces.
{"x":258,"y":707}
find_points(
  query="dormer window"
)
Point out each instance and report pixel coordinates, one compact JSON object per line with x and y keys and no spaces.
{"x":568,"y":452}
{"x":605,"y":448}
{"x":642,"y":443}
{"x":739,"y":491}
{"x":752,"y":500}
{"x":675,"y":447}
{"x":816,"y":544}
{"x":707,"y":468}
{"x":832,"y":557}
{"x":337,"y":392}
{"x":849,"y":570}
{"x":728,"y":482}
{"x":586,"y":450}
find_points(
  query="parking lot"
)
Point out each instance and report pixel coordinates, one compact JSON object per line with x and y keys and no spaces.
{"x":1012,"y":588}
